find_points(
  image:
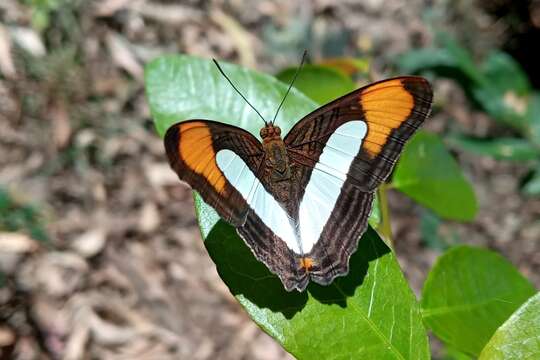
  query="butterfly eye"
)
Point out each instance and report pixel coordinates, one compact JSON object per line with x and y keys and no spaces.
{"x":263,"y":132}
{"x":277,"y":131}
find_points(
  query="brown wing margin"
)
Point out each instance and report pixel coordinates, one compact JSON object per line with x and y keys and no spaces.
{"x":192,"y":147}
{"x":339,"y":239}
{"x":392,"y":109}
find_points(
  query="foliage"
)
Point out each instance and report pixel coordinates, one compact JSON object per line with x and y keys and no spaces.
{"x":371,"y":312}
{"x":429,"y":174}
{"x":518,"y":337}
{"x":41,"y":10}
{"x":15,"y":216}
{"x":498,"y":86}
{"x":468,"y":294}
{"x":435,"y":233}
{"x":321,"y":84}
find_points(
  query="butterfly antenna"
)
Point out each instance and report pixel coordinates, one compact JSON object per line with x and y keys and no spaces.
{"x":290,"y":85}
{"x":238,"y":91}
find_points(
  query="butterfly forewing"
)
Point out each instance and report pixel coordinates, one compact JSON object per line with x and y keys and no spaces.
{"x":391,"y":109}
{"x":192,"y":148}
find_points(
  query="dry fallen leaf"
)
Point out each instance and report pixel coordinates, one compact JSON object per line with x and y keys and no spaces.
{"x":107,"y":8}
{"x":123,"y":56}
{"x":7,"y":337}
{"x":90,"y":243}
{"x":12,"y":242}
{"x":160,"y":174}
{"x":55,"y":273}
{"x":240,"y":37}
{"x":173,"y":14}
{"x":149,"y":218}
{"x":61,"y":126}
{"x":7,"y":68}
{"x":29,"y":40}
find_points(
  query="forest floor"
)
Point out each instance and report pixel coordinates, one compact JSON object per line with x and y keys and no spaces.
{"x":124,"y":273}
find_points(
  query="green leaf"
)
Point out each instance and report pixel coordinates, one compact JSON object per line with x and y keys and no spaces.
{"x":533,"y":118}
{"x":440,"y":61}
{"x":370,"y":313}
{"x":375,"y":217}
{"x":434,"y":232}
{"x":17,"y":216}
{"x":532,"y":185}
{"x":453,"y":354}
{"x":468,"y":294}
{"x":503,"y":92}
{"x":505,"y":74}
{"x":429,"y":228}
{"x":515,"y":149}
{"x":184,"y":87}
{"x":519,"y":337}
{"x":449,"y":60}
{"x":429,"y":174}
{"x":321,"y":83}
{"x":499,"y":86}
{"x":507,"y":108}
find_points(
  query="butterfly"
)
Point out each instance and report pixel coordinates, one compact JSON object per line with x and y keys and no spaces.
{"x":301,"y":201}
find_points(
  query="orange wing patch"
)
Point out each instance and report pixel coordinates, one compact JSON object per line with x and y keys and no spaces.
{"x":386,"y":106}
{"x":195,"y":147}
{"x":306,"y":263}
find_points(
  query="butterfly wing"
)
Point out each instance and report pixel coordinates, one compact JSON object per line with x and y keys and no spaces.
{"x":224,"y":164}
{"x":341,"y":153}
{"x":192,"y":147}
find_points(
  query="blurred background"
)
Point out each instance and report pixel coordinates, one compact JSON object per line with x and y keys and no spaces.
{"x":100,"y":254}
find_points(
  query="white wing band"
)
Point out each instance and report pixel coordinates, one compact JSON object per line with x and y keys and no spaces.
{"x":326,"y":180}
{"x":263,"y":203}
{"x":320,"y":195}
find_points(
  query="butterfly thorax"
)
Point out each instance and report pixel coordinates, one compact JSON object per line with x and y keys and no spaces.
{"x":276,"y":159}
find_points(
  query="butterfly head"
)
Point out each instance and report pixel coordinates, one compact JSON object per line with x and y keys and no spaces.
{"x":270,"y":132}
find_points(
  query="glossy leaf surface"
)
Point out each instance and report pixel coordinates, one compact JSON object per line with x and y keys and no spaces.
{"x":468,"y":294}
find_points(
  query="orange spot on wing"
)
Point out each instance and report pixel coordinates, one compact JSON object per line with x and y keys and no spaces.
{"x":372,"y":148}
{"x":386,"y":106}
{"x":195,"y":147}
{"x":306,"y":263}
